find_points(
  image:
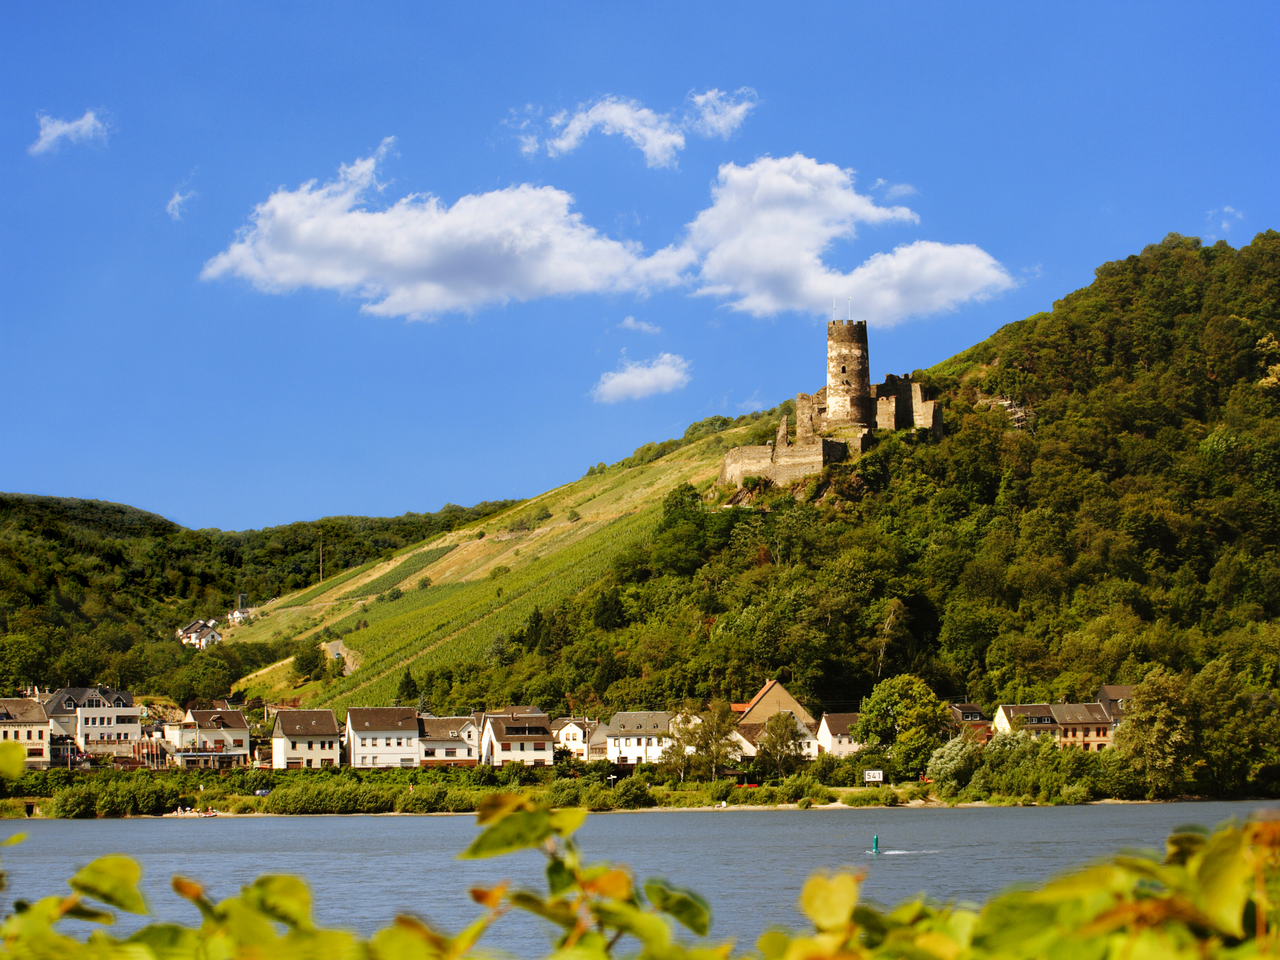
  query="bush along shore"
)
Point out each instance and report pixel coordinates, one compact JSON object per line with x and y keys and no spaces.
{"x":1022,"y":770}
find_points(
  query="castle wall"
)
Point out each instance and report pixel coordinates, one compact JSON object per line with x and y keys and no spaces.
{"x":745,"y":462}
{"x":886,"y":412}
{"x":848,"y":373}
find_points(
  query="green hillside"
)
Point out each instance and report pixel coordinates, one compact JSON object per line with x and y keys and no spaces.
{"x":1129,"y":525}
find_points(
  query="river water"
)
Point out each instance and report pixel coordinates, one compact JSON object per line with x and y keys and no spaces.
{"x":750,"y":864}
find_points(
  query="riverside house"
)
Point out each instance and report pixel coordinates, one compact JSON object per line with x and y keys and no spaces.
{"x":835,"y":734}
{"x":773,"y":698}
{"x":95,"y":719}
{"x":516,"y":735}
{"x":1089,"y":726}
{"x":305,"y":738}
{"x":638,"y":736}
{"x":381,"y":737}
{"x":574,"y":734}
{"x":216,"y":739}
{"x":26,"y":722}
{"x":448,"y":741}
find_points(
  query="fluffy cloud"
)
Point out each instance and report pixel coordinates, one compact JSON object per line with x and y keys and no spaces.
{"x":720,"y":114}
{"x":174,"y":207}
{"x":643,"y":378}
{"x":631,"y":323}
{"x":53,"y":131}
{"x":419,"y":257}
{"x":655,"y":135}
{"x":659,"y":136}
{"x":760,"y":244}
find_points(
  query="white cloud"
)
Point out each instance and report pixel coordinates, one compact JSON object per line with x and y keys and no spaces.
{"x":631,"y":323}
{"x":1227,"y":213}
{"x":639,"y":379}
{"x":720,"y":114}
{"x":659,"y":136}
{"x":174,"y":207}
{"x":655,"y":134}
{"x":53,"y":131}
{"x":761,"y":242}
{"x":419,"y":257}
{"x":900,"y":190}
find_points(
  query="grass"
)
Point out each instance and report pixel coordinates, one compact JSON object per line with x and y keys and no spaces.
{"x":398,"y":574}
{"x":319,"y":590}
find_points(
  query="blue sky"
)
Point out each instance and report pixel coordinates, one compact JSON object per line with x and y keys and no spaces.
{"x":270,"y":262}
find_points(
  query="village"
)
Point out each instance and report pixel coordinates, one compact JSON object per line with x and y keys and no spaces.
{"x":78,"y":727}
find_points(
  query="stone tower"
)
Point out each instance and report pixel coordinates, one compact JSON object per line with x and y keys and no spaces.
{"x":848,"y":374}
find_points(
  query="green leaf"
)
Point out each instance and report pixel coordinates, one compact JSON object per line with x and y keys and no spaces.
{"x":648,"y":928}
{"x":78,"y":911}
{"x":113,"y":880}
{"x":688,"y":909}
{"x":557,"y":911}
{"x":281,"y":897}
{"x":829,"y":902}
{"x":518,"y":830}
{"x":168,"y":941}
{"x":1223,"y":870}
{"x":773,"y":944}
{"x":13,"y":760}
{"x":567,"y":819}
{"x":13,"y":840}
{"x":559,"y":877}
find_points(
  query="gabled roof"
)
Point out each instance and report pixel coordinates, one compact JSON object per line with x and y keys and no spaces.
{"x":20,"y":710}
{"x":305,"y":723}
{"x":958,"y":711}
{"x":57,"y":704}
{"x":1033,"y":714}
{"x":650,"y":722}
{"x":219,"y":719}
{"x":1112,"y":697}
{"x":443,"y":728}
{"x":371,"y":719}
{"x":518,"y":728}
{"x":1080,"y":713}
{"x":841,"y":724}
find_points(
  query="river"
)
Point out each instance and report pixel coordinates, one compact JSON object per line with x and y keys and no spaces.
{"x":750,"y":864}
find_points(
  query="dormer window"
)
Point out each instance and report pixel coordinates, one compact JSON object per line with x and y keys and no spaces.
{"x":69,"y":703}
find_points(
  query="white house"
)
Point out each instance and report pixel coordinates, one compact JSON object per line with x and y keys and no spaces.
{"x":305,"y":738}
{"x":96,"y":719}
{"x":239,"y":616}
{"x":574,"y":734}
{"x":200,"y":634}
{"x":210,"y":738}
{"x":448,"y":741}
{"x":638,"y":736}
{"x":835,"y":734}
{"x":26,"y":722}
{"x":382,"y":737}
{"x":517,"y":735}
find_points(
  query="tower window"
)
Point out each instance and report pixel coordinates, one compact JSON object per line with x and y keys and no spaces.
{"x":842,"y":369}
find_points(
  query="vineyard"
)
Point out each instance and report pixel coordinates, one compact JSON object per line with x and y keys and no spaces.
{"x":486,"y":579}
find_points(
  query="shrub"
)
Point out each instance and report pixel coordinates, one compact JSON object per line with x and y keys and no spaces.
{"x":247,"y":805}
{"x":428,"y":798}
{"x":1074,"y":793}
{"x":461,"y":801}
{"x":74,"y":803}
{"x":424,"y":583}
{"x":564,"y":793}
{"x":632,"y":794}
{"x":598,"y":797}
{"x":805,"y":803}
{"x":721,"y":790}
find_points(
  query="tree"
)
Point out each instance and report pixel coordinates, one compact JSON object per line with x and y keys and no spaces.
{"x":307,"y":661}
{"x":781,"y":746}
{"x":407,"y":692}
{"x":906,"y":716}
{"x":1156,"y":735}
{"x":953,"y":764}
{"x":713,"y":738}
{"x":609,"y":613}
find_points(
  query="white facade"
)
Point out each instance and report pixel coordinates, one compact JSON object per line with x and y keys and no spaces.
{"x":835,"y":734}
{"x":210,"y":738}
{"x":305,"y":738}
{"x":448,"y":742}
{"x":574,"y":734}
{"x":25,"y":722}
{"x":97,"y":719}
{"x":747,"y":736}
{"x":638,"y":736}
{"x":382,"y":737}
{"x":519,"y":735}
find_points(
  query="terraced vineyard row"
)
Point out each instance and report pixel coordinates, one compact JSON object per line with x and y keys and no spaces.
{"x":455,"y":623}
{"x":399,"y":573}
{"x":320,"y":589}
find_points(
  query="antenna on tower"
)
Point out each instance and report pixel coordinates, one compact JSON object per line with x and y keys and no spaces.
{"x":851,"y":309}
{"x":833,"y":309}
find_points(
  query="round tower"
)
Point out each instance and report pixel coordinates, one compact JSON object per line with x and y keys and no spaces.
{"x":848,"y":374}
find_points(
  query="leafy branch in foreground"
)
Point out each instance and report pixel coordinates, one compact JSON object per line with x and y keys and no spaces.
{"x":1213,"y":896}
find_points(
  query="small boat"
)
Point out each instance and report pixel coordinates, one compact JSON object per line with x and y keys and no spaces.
{"x":207,"y":813}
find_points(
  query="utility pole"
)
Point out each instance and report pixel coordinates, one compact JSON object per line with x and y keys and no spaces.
{"x":322,"y":558}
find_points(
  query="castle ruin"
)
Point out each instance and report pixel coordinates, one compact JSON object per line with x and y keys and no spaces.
{"x":837,"y":422}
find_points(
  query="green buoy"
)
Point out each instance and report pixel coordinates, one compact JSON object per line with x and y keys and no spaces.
{"x":875,"y":844}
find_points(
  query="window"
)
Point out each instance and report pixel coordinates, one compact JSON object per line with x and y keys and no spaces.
{"x":362,"y":742}
{"x":451,"y":752}
{"x":308,"y":761}
{"x":468,"y":751}
{"x":430,"y":751}
{"x":39,"y":734}
{"x":628,"y":743}
{"x":29,"y":732}
{"x":238,"y":743}
{"x":539,"y":746}
{"x":364,"y":761}
{"x":506,"y":747}
{"x":293,"y":744}
{"x":522,"y":746}
{"x":399,"y":742}
{"x":648,"y":741}
{"x":388,"y":741}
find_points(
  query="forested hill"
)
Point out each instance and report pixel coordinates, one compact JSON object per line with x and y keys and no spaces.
{"x":1133,"y":522}
{"x":100,"y":577}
